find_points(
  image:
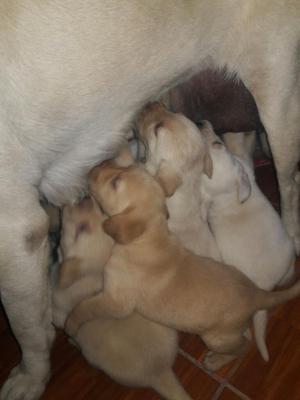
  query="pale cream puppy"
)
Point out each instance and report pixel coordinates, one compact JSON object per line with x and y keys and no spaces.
{"x":150,"y":272}
{"x":134,"y":351}
{"x":247,"y":229}
{"x":176,"y":153}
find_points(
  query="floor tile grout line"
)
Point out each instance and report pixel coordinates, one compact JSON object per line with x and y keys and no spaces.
{"x":232,"y":388}
{"x":235,"y":367}
{"x":242,"y":395}
{"x":219,"y":391}
{"x":223,"y":382}
{"x":200,"y":366}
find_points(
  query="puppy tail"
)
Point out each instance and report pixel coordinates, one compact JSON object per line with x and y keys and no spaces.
{"x":169,"y":387}
{"x":268,"y":300}
{"x":260,"y":321}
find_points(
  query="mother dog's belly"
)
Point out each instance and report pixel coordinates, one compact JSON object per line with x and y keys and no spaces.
{"x":69,"y":104}
{"x":56,"y":160}
{"x":65,"y":179}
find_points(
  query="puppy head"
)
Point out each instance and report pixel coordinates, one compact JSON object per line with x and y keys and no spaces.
{"x":83,"y":236}
{"x":171,"y":138}
{"x":130,"y":196}
{"x":227,"y":172}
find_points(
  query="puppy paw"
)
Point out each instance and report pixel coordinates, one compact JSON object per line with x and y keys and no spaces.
{"x":22,"y":386}
{"x":214,"y":361}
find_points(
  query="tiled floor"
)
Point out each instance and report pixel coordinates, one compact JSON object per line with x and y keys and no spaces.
{"x":248,"y":378}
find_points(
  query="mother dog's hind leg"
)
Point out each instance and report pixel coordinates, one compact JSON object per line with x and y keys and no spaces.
{"x":25,"y":292}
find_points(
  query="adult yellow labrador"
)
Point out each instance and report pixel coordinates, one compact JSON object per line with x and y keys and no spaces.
{"x":72,"y":76}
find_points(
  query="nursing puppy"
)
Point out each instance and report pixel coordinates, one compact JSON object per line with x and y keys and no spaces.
{"x":176,"y":153}
{"x":73,"y":76}
{"x":84,"y":249}
{"x":247,"y":229}
{"x":134,"y":351}
{"x":150,"y":272}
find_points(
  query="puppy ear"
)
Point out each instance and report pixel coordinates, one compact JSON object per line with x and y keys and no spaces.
{"x":124,"y":227}
{"x":69,"y":272}
{"x":208,"y":165}
{"x":243,"y":183}
{"x":168,"y":179}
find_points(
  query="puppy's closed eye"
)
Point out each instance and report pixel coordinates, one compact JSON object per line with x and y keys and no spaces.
{"x":83,"y":227}
{"x":217,"y":144}
{"x":115,"y":181}
{"x":157,"y":128}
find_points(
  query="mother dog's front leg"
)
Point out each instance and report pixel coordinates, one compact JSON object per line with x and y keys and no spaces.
{"x":278,"y":100}
{"x":25,"y":292}
{"x":284,"y":138}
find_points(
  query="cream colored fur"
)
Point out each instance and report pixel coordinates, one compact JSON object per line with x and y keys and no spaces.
{"x":247,"y":229}
{"x":133,"y":350}
{"x":177,"y":152}
{"x":74,"y":74}
{"x":176,"y":140}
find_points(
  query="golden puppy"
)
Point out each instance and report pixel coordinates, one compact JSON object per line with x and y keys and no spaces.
{"x":134,"y":351}
{"x":177,"y":154}
{"x":150,"y":272}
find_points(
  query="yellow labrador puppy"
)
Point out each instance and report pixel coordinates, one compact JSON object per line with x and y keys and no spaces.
{"x":73,"y":76}
{"x":150,"y":272}
{"x":177,"y":154}
{"x":134,"y":351}
{"x":247,"y":229}
{"x":174,"y":142}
